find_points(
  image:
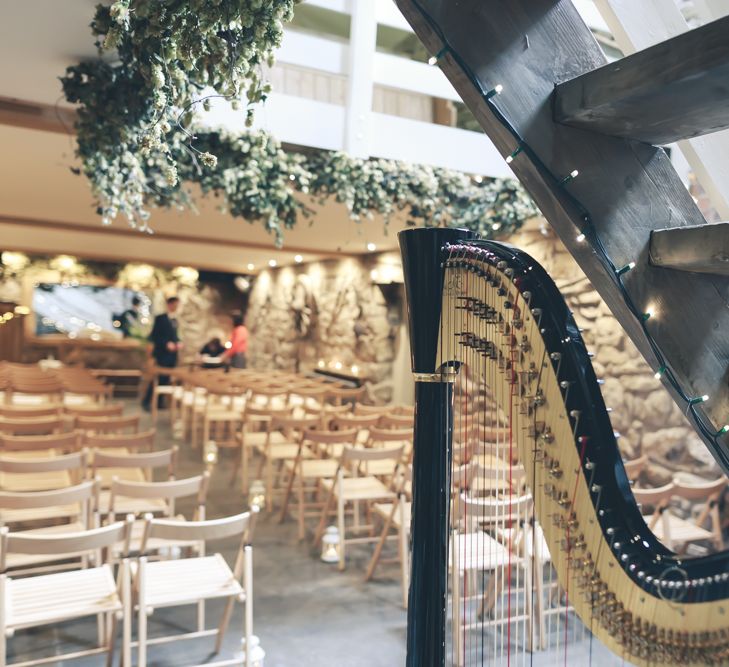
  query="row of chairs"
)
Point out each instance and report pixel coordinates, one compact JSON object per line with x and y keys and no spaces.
{"x":112,"y":585}
{"x":29,"y":384}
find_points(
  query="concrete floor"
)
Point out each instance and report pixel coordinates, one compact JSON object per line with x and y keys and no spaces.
{"x":306,"y":613}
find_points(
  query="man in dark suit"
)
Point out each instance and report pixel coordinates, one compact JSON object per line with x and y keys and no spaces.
{"x":165,"y":344}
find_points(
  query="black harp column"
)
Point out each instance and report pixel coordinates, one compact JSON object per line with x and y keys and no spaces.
{"x":422,"y":257}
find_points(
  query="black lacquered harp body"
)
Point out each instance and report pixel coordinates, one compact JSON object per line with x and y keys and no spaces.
{"x":499,"y":362}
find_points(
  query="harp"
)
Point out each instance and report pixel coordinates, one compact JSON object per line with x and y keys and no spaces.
{"x":500,"y":367}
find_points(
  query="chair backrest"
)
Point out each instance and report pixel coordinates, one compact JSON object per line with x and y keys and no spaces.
{"x":86,"y":541}
{"x":489,"y":510}
{"x":701,"y":491}
{"x":165,"y":458}
{"x":169,"y":491}
{"x":657,"y":497}
{"x":396,"y":421}
{"x":354,"y":454}
{"x":107,"y":410}
{"x":200,"y":531}
{"x":74,"y":461}
{"x":31,"y":426}
{"x":340,"y":394}
{"x":361,"y":409}
{"x":105,"y":424}
{"x":80,"y":501}
{"x":326,"y":437}
{"x":635,"y":467}
{"x":59,"y":442}
{"x":293,"y":424}
{"x":143,"y":440}
{"x":378,"y":435}
{"x":30,"y":411}
{"x":356,"y":421}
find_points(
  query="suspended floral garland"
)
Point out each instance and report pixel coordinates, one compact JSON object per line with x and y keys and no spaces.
{"x":137,"y":149}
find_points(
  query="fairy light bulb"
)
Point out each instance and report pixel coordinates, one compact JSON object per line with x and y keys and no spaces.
{"x":496,"y":90}
{"x":648,"y":314}
{"x":510,"y":158}
{"x":580,"y":238}
{"x":724,"y":429}
{"x":626,"y":268}
{"x":659,"y":373}
{"x":698,"y":399}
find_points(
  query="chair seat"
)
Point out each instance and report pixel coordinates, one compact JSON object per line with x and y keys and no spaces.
{"x":378,"y":468}
{"x":42,"y":481}
{"x":480,"y":551}
{"x":360,"y":488}
{"x":49,"y":598}
{"x":204,"y":578}
{"x":314,"y":468}
{"x":282,"y":451}
{"x":223,"y":415}
{"x":681,"y":531}
{"x":16,"y":560}
{"x":30,"y":514}
{"x":257,"y":439}
{"x":124,"y":506}
{"x":384,"y":510}
{"x":529,"y":540}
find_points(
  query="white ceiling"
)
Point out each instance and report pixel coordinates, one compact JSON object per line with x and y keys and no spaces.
{"x":45,"y":208}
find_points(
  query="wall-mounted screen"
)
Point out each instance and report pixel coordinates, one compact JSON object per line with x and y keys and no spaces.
{"x":90,"y":311}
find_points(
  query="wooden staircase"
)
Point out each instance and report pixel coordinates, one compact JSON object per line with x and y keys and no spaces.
{"x":583,"y":138}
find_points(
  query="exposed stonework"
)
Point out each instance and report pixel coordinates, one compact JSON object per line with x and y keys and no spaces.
{"x":330,"y":311}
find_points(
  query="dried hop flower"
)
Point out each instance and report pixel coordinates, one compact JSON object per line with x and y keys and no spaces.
{"x":209,"y":160}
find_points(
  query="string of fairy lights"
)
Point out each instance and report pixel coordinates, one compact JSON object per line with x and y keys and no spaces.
{"x":587,"y":232}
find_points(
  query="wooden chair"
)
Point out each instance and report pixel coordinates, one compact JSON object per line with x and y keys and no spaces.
{"x":353,"y":490}
{"x":206,"y":577}
{"x":68,"y":510}
{"x":676,"y":533}
{"x":109,"y":425}
{"x":276,"y":452}
{"x":146,"y":498}
{"x":361,"y":409}
{"x":255,"y":433}
{"x":395,"y":515}
{"x":387,"y":438}
{"x":121,"y":442}
{"x":130,"y":467}
{"x":312,"y":470}
{"x":395,"y":421}
{"x":41,"y":474}
{"x":340,"y":395}
{"x":53,"y":598}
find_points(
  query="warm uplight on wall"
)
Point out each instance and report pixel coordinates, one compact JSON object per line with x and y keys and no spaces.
{"x":355,"y":369}
{"x":371,"y":247}
{"x":338,"y":365}
{"x":320,"y":363}
{"x":251,"y":267}
{"x":272,"y":263}
{"x":298,"y":259}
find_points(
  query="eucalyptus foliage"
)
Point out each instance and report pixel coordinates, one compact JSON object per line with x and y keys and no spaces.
{"x":137,"y":148}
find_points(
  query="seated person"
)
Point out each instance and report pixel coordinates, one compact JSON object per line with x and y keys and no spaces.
{"x":211,"y":353}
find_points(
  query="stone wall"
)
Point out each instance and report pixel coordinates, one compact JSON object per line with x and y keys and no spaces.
{"x":330,"y":312}
{"x":642,"y":411}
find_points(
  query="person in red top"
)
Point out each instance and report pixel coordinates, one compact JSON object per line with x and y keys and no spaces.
{"x":235,"y":354}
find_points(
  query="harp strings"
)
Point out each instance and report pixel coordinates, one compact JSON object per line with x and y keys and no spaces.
{"x":506,"y":607}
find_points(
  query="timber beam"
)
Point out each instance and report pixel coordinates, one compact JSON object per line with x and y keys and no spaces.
{"x":698,"y":248}
{"x":675,"y":90}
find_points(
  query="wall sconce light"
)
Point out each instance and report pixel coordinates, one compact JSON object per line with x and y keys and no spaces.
{"x":330,"y":545}
{"x":320,"y":363}
{"x":257,"y":495}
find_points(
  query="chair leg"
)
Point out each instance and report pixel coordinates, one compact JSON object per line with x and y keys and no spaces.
{"x":3,"y":621}
{"x":404,"y":555}
{"x":244,"y":465}
{"x":302,"y":507}
{"x":142,"y":616}
{"x":323,"y":519}
{"x":224,"y":622}
{"x":287,"y":496}
{"x":111,"y":642}
{"x":342,"y":535}
{"x":378,"y":548}
{"x":248,"y":614}
{"x":269,"y":484}
{"x":201,"y":615}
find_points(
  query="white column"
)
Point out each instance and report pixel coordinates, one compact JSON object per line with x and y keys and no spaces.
{"x":638,"y":25}
{"x":362,"y":42}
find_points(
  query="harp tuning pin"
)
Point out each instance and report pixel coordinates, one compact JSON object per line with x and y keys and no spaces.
{"x":555,"y":356}
{"x":575,"y":414}
{"x":537,"y":312}
{"x":509,"y":272}
{"x":501,"y":265}
{"x":589,"y":465}
{"x":564,"y":384}
{"x":527,"y":296}
{"x":596,"y":488}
